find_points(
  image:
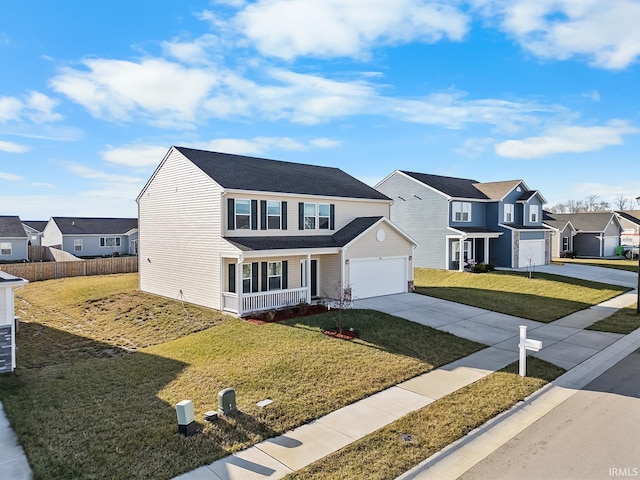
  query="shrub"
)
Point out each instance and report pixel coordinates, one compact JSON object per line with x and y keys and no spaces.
{"x":483,"y":268}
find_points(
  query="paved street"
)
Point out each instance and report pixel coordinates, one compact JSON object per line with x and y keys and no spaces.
{"x":595,"y":434}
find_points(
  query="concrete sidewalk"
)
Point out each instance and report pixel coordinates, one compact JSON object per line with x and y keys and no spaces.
{"x":13,"y":462}
{"x":565,"y":345}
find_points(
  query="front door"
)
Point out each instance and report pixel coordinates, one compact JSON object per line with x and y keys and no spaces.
{"x":314,"y":278}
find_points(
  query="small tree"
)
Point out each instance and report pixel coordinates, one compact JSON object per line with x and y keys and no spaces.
{"x":342,"y":299}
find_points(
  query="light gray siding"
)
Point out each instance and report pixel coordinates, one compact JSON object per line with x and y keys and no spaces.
{"x":19,"y":250}
{"x":423,"y":214}
{"x":180,"y":246}
{"x":91,"y":245}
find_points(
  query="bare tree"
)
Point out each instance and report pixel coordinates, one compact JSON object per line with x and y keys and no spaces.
{"x":590,"y":203}
{"x":622,"y":203}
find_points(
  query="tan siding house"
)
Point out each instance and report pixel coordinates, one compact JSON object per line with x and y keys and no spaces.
{"x":244,"y":234}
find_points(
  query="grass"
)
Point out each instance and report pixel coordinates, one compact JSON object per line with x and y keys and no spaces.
{"x":624,"y":321}
{"x":618,"y":264}
{"x":101,"y":367}
{"x":384,"y":455}
{"x":544,"y":298}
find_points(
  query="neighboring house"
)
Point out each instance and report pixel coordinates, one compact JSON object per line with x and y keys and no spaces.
{"x":590,"y":234}
{"x":630,"y":223}
{"x":8,"y":283}
{"x":34,"y":230}
{"x":13,"y":240}
{"x":496,"y":222}
{"x":92,"y":237}
{"x":243,"y":234}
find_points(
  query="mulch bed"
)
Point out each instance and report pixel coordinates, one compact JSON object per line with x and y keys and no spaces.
{"x":287,"y":314}
{"x":346,"y":334}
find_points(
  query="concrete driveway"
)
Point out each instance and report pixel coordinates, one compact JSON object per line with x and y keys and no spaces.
{"x":587,"y":272}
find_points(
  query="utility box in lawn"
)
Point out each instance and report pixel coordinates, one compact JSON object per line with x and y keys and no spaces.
{"x":227,"y":401}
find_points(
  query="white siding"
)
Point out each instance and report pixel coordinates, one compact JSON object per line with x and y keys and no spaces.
{"x":51,"y":234}
{"x":329,"y":273}
{"x":424,"y":218}
{"x":179,"y":234}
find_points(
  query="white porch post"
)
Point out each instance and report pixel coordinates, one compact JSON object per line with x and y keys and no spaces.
{"x":461,"y":256}
{"x":239,"y":286}
{"x":307,"y":274}
{"x":486,"y":250}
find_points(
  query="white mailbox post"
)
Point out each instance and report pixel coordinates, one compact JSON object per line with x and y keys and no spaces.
{"x":526,"y":344}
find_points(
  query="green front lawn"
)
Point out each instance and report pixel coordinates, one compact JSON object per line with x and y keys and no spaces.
{"x":544,"y":298}
{"x":384,"y":455}
{"x":619,"y":264}
{"x":101,"y":367}
{"x":624,"y":321}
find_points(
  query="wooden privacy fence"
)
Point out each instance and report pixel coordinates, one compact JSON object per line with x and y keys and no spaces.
{"x":49,"y":270}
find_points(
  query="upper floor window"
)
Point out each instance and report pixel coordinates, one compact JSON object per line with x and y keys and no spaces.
{"x":274,"y":211}
{"x":461,"y":212}
{"x":109,"y":241}
{"x":5,"y":248}
{"x":77,"y":244}
{"x":316,"y":216}
{"x":243,"y":214}
{"x":533,"y":213}
{"x":508,"y":212}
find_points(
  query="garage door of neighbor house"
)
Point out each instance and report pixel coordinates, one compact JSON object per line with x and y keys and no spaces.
{"x":610,"y":244}
{"x":531,"y":253}
{"x":373,"y":277}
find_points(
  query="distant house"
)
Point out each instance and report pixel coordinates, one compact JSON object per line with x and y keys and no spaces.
{"x":588,"y":234}
{"x":630,"y":223}
{"x":459,"y":221}
{"x":13,"y":240}
{"x":34,"y":230}
{"x":243,"y":234}
{"x":92,"y":237}
{"x":8,"y":283}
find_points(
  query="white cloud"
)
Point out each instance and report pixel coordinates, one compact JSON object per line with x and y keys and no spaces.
{"x":261,"y":145}
{"x":166,"y":93}
{"x":11,"y":147}
{"x":93,"y":174}
{"x":10,"y":177}
{"x":34,"y":106}
{"x":567,"y":139}
{"x":134,"y":155}
{"x":10,"y":108}
{"x":42,"y":185}
{"x":351,"y":28}
{"x":605,"y":32}
{"x":196,"y":51}
{"x":474,"y":147}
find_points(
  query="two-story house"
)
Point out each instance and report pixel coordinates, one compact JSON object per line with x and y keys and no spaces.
{"x":88,"y":237}
{"x":458,"y":221}
{"x":244,"y":234}
{"x":13,"y":240}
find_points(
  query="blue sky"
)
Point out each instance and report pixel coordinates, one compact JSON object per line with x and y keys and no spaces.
{"x":93,"y":94}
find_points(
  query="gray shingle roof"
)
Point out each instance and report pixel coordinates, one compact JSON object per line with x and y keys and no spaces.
{"x":262,"y":175}
{"x":11,"y":227}
{"x":454,"y":187}
{"x":583,"y":222}
{"x":338,"y":239}
{"x":476,"y":230}
{"x":631,"y":215}
{"x":95,"y":226}
{"x":37,"y":225}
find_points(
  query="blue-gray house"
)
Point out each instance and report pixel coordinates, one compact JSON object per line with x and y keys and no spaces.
{"x":456,"y":219}
{"x":13,"y":240}
{"x":92,"y":237}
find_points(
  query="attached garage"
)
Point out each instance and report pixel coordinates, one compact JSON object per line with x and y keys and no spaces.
{"x":531,"y":252}
{"x":610,"y":245}
{"x":373,"y":277}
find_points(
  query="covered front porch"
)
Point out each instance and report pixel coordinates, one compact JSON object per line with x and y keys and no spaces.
{"x":265,"y":283}
{"x":469,"y":247}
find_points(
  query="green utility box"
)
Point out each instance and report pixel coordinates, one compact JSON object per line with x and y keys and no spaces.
{"x":227,"y":401}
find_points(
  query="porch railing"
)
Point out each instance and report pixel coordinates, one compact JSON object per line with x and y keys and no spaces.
{"x":261,"y":301}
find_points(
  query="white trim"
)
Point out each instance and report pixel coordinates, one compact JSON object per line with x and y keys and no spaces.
{"x":388,"y":222}
{"x":302,"y":196}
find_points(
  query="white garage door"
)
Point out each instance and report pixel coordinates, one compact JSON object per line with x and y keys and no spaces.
{"x":379,"y":276}
{"x":610,"y":244}
{"x":531,"y":253}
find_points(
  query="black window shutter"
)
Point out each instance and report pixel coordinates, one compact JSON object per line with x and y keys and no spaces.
{"x":263,"y":214}
{"x":332,"y":216}
{"x":285,"y":274}
{"x":265,"y":279}
{"x":232,"y":277}
{"x":284,"y":215}
{"x":254,"y":214}
{"x":300,"y":216}
{"x":254,"y":277}
{"x":231,"y":214}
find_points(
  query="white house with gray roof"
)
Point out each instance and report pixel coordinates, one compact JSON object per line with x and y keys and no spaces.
{"x":459,"y":221}
{"x":586,"y":234}
{"x":88,"y":237}
{"x":8,"y":283}
{"x":244,"y":234}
